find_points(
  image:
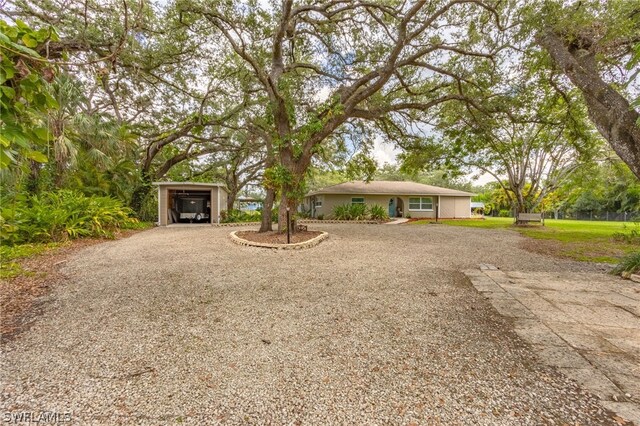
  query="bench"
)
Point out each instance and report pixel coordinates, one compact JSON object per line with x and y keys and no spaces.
{"x":530,"y":217}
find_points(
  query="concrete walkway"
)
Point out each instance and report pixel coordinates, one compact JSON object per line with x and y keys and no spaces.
{"x":586,"y":325}
{"x":398,"y":221}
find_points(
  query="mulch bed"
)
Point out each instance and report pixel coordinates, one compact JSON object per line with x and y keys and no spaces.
{"x":276,"y":237}
{"x":21,"y":297}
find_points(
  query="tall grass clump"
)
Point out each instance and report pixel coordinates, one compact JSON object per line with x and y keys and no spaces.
{"x":62,"y":215}
{"x":377,"y":212}
{"x":630,"y":264}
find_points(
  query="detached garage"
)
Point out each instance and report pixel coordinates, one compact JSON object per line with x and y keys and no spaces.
{"x":190,"y":202}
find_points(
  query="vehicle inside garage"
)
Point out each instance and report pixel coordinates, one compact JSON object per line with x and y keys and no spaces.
{"x":186,"y":206}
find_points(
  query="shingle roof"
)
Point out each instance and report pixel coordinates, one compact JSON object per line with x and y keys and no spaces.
{"x":206,"y":184}
{"x":386,"y":187}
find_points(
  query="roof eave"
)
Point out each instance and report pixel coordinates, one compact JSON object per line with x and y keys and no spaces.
{"x":460,"y":194}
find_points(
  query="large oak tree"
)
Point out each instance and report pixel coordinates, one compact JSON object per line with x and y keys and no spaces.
{"x":321,"y":65}
{"x":596,"y":44}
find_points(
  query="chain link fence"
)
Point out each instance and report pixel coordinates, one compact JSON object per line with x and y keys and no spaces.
{"x":604,"y":216}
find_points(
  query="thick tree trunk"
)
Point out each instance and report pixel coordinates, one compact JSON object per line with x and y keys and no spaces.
{"x":291,"y":191}
{"x":612,"y":114}
{"x":231,"y":199}
{"x":32,"y":185}
{"x":285,"y":202}
{"x":267,"y":222}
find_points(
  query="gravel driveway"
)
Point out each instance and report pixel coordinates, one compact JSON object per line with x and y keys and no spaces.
{"x":376,"y":325}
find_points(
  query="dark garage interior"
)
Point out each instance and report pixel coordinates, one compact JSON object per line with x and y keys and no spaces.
{"x":189,"y":206}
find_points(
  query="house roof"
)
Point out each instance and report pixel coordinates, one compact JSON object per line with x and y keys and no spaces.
{"x":386,"y":187}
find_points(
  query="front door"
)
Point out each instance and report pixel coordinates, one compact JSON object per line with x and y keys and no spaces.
{"x":392,"y":207}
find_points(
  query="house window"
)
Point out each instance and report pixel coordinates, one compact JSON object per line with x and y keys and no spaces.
{"x":318,"y":202}
{"x":357,"y":200}
{"x":421,"y":204}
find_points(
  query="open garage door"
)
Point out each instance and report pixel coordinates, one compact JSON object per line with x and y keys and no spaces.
{"x":189,"y":206}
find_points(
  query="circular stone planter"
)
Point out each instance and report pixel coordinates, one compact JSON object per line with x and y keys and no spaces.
{"x":294,"y":246}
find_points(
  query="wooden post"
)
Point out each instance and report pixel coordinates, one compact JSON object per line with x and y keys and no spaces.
{"x":288,"y":226}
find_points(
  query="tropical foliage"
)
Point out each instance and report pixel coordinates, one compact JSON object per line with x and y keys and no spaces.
{"x":25,"y":93}
{"x":62,"y":215}
{"x":359,"y":212}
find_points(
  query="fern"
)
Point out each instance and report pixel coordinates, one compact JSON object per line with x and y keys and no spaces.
{"x":62,"y":215}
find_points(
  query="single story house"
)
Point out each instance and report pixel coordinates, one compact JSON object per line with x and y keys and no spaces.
{"x":403,"y":199}
{"x":248,"y":204}
{"x":190,"y":202}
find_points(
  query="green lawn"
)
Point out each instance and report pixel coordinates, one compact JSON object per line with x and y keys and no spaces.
{"x":594,"y":241}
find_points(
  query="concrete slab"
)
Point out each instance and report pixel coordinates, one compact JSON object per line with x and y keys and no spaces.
{"x":537,"y":333}
{"x":586,"y":325}
{"x":630,"y":385}
{"x":560,"y":356}
{"x":511,"y":308}
{"x":583,"y":342}
{"x":628,"y":410}
{"x":398,"y":221}
{"x":597,"y":383}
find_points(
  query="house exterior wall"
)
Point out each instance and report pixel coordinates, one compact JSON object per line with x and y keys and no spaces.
{"x":447,"y":207}
{"x":215,"y":211}
{"x":163,"y":205}
{"x":417,"y":213}
{"x":463,"y":207}
{"x":450,"y":207}
{"x":455,"y":207}
{"x":329,"y":201}
{"x":163,"y":200}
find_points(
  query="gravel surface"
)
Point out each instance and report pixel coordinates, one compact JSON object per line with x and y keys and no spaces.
{"x":376,"y":325}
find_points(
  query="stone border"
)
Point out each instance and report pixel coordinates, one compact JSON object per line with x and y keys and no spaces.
{"x":232,"y":224}
{"x":295,"y":246}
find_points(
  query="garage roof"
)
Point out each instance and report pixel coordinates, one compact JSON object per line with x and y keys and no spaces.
{"x":387,"y":187}
{"x":202,"y":184}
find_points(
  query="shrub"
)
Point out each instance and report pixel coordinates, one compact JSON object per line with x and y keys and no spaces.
{"x":378,"y":213}
{"x":342,"y":212}
{"x":504,"y":213}
{"x":629,"y":264}
{"x":358,"y":211}
{"x":235,"y":216}
{"x":62,"y":215}
{"x":632,"y":237}
{"x":320,"y":216}
{"x":355,"y":212}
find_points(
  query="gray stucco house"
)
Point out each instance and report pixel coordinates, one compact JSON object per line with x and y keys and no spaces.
{"x":402,"y":199}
